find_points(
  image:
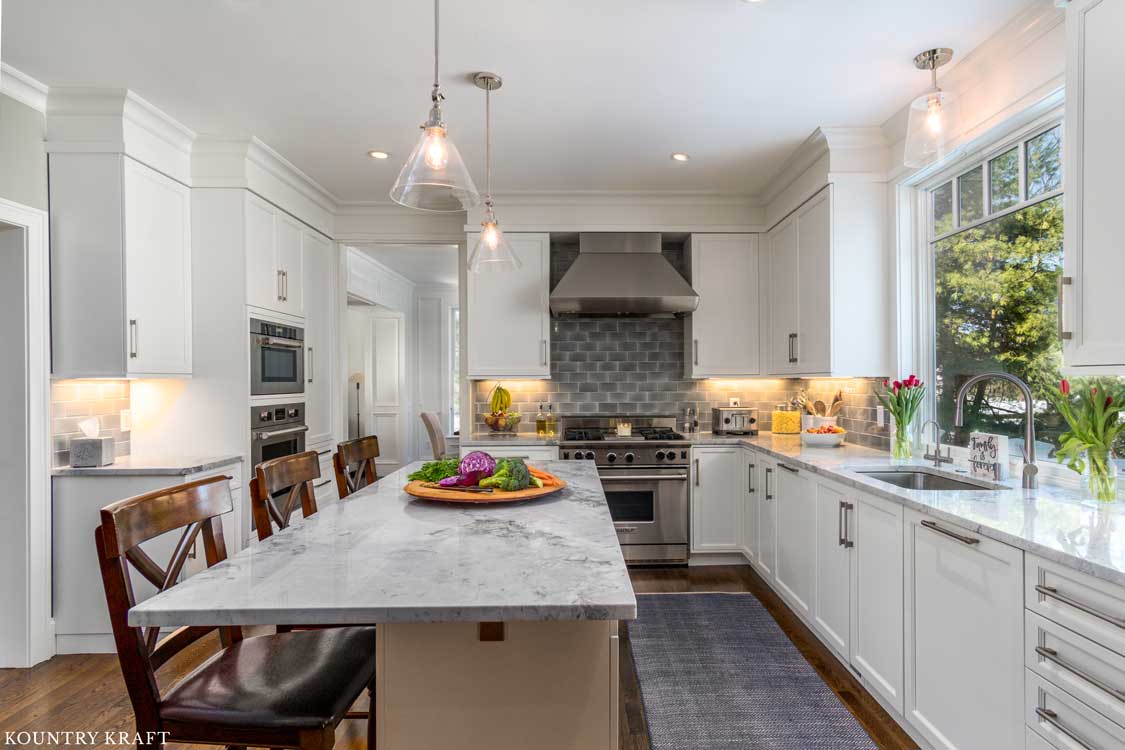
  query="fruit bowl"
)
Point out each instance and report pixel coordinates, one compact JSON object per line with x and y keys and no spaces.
{"x":828,"y":436}
{"x":503,"y":422}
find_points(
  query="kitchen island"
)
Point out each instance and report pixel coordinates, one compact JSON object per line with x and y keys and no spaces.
{"x":497,"y":623}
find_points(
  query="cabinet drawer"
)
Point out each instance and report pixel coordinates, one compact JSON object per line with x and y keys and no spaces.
{"x":1067,"y":722}
{"x":1087,"y":605}
{"x":1035,"y":742}
{"x":1092,"y":673}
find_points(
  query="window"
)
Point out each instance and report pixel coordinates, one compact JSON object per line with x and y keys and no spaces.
{"x":455,"y":370}
{"x":996,"y":265}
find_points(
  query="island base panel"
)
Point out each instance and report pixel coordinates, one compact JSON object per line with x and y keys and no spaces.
{"x":547,"y":685}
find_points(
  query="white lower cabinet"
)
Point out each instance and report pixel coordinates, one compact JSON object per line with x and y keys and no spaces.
{"x":716,"y":499}
{"x":795,"y":573}
{"x":765,"y":531}
{"x":964,"y":653}
{"x":833,"y":604}
{"x":1066,"y":722}
{"x":750,"y":502}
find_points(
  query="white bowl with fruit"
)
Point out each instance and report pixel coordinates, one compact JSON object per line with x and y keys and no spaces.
{"x":825,"y":436}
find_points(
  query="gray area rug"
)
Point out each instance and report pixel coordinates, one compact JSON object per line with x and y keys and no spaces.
{"x":716,"y":671}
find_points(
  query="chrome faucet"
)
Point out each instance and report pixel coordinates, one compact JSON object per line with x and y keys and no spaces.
{"x":936,"y":456}
{"x":1030,"y":469}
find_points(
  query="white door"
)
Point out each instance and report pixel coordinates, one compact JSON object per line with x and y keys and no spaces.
{"x":508,"y":314}
{"x":813,"y":345}
{"x":716,"y":499}
{"x":796,"y":535}
{"x":157,"y":272}
{"x":1095,"y":162}
{"x":874,"y":527}
{"x":724,"y":332}
{"x":750,"y":502}
{"x":263,"y":280}
{"x":832,"y":609}
{"x":964,"y":637}
{"x":766,"y":557}
{"x":386,"y":395}
{"x":320,"y":323}
{"x":289,"y":262}
{"x":782,"y":297}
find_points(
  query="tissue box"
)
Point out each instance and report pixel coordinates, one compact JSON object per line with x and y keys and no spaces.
{"x":97,"y":451}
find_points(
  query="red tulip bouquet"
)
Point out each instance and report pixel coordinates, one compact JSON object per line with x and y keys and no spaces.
{"x":902,"y":399}
{"x":1087,"y":447}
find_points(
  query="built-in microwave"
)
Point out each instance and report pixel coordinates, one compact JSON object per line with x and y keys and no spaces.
{"x":277,"y":359}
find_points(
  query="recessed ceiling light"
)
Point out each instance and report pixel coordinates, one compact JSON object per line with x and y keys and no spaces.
{"x":378,"y":154}
{"x":680,"y":157}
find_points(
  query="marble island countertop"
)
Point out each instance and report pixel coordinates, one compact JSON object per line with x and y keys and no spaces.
{"x":150,"y":466}
{"x":1055,"y":523}
{"x":383,"y":556}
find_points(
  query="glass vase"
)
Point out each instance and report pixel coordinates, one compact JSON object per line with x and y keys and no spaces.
{"x":1099,"y":480}
{"x":901,"y":446}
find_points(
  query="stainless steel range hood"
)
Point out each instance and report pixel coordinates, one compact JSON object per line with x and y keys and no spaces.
{"x":622,"y":274}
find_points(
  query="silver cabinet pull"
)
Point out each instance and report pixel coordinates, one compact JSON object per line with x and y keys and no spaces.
{"x":311,"y":360}
{"x":285,"y":279}
{"x":796,"y":347}
{"x":1050,"y":717}
{"x":840,"y":523}
{"x":695,"y":351}
{"x":848,"y":508}
{"x":644,"y":477}
{"x":769,"y":473}
{"x":792,"y":348}
{"x":1052,"y":592}
{"x":279,"y":293}
{"x":1064,"y":334}
{"x":543,"y":352}
{"x":697,"y":472}
{"x":133,"y":344}
{"x":788,"y":468}
{"x":951,"y":534}
{"x":1052,"y":656}
{"x":750,"y":478}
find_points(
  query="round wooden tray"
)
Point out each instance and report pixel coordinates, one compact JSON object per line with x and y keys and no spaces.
{"x":423,"y":490}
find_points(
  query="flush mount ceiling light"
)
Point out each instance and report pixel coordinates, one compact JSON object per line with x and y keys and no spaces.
{"x":680,"y":157}
{"x":434,"y":177}
{"x":378,"y":154}
{"x":934,"y":116}
{"x":493,"y":252}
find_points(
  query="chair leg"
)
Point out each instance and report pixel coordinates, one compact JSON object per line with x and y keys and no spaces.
{"x":318,"y":740}
{"x":371,"y":717}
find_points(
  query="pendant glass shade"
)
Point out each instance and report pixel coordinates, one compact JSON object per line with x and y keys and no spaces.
{"x":434,"y":177}
{"x":934,"y":120}
{"x":493,"y":252}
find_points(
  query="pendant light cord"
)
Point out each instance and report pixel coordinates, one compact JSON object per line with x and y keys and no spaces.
{"x":437,"y":18}
{"x":488,"y":145}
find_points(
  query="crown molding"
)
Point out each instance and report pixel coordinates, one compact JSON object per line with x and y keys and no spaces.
{"x":23,"y":88}
{"x":389,"y":223}
{"x":850,"y":150}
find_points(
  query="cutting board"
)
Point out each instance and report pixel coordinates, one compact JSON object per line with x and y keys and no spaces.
{"x":424,"y":490}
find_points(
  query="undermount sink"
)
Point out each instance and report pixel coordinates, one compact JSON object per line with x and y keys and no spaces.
{"x":913,"y":479}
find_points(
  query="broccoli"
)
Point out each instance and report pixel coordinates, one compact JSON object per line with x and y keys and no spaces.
{"x":511,"y":475}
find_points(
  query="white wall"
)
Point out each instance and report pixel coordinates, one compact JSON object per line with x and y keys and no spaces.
{"x":432,"y":351}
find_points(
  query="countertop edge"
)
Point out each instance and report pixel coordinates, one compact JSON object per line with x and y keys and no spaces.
{"x":114,"y":470}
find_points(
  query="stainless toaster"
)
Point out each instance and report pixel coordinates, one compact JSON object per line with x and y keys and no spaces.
{"x":734,"y":420}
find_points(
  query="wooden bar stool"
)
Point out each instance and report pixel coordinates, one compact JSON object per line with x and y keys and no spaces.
{"x":279,"y":486}
{"x":289,"y":690}
{"x":355,"y":464}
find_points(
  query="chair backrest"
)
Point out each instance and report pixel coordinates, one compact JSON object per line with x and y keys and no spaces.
{"x":355,"y":464}
{"x":436,"y":433}
{"x":195,"y":508}
{"x":279,"y":486}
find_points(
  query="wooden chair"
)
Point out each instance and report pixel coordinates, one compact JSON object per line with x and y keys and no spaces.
{"x":287,"y":690}
{"x":279,"y":486}
{"x":436,"y":433}
{"x":354,"y":462}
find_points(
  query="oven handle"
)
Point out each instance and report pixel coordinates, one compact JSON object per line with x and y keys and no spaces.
{"x":646,"y":477}
{"x":279,"y":433}
{"x":282,"y":343}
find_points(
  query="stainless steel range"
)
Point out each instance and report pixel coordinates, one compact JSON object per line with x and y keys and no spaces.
{"x":645,"y":478}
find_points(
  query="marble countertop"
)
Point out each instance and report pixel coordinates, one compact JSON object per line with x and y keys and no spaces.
{"x":506,"y":438}
{"x":1055,"y":523}
{"x":383,"y":556}
{"x":149,"y":466}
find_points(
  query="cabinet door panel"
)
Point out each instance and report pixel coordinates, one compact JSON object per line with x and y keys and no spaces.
{"x":715,"y":499}
{"x":796,"y":536}
{"x":508,"y":314}
{"x":724,"y":331}
{"x":766,"y":558}
{"x":320,"y":322}
{"x":750,"y":494}
{"x":290,"y":262}
{"x":814,"y":254}
{"x":832,"y":610}
{"x":263,"y":288}
{"x":157,"y":272}
{"x":782,"y":297}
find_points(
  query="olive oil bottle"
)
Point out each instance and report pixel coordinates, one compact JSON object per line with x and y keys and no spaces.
{"x":541,"y":423}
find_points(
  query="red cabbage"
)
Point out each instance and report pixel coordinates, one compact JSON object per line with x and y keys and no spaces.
{"x":474,"y":467}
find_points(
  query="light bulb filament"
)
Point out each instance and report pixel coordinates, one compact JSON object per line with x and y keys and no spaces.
{"x":436,"y":150}
{"x":934,"y":115}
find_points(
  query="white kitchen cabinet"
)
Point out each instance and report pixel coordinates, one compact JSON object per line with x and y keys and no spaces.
{"x":274,"y":258}
{"x":121,"y":281}
{"x":716,"y":499}
{"x":826,"y":304}
{"x":795,"y":573}
{"x":508,"y":315}
{"x":964,"y":649}
{"x":721,"y":337}
{"x":319,"y":269}
{"x":751,"y":481}
{"x":325,"y":488}
{"x":833,"y":604}
{"x":766,"y":558}
{"x":1095,"y":118}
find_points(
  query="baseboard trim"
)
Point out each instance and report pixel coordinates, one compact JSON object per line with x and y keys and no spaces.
{"x":85,"y":643}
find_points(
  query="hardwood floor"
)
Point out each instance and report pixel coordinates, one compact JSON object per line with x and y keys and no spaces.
{"x":86,"y":692}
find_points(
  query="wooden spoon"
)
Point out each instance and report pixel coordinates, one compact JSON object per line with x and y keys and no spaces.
{"x":821,"y":409}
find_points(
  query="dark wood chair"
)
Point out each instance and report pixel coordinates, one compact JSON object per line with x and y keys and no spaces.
{"x":279,"y":487}
{"x":289,"y":690}
{"x":355,"y":464}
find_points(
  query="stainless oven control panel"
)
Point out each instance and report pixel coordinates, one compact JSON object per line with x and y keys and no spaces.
{"x":605,"y":453}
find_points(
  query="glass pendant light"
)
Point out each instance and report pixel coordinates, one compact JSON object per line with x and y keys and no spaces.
{"x":434,"y":177}
{"x":934,"y":116}
{"x":492,"y":253}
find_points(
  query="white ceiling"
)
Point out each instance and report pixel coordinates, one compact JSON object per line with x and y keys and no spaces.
{"x":597,"y":93}
{"x":422,"y":264}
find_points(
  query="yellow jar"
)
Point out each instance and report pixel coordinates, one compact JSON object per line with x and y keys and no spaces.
{"x":786,"y":421}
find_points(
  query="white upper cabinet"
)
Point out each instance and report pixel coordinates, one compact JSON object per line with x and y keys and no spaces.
{"x":121,"y":279}
{"x":723,"y":334}
{"x":716,"y":499}
{"x":826,"y":302}
{"x":274,"y":258}
{"x":1090,"y":305}
{"x":319,"y":271}
{"x":508,"y":317}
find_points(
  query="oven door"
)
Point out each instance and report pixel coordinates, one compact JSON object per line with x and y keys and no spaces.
{"x":649,"y":506}
{"x":277,"y":365}
{"x":268,"y":445}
